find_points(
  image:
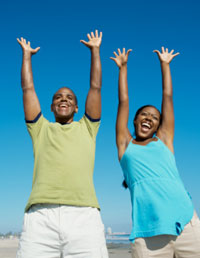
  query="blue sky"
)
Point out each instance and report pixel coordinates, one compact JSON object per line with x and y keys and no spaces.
{"x":57,"y":27}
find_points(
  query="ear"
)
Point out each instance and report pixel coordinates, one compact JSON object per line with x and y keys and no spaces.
{"x":76,"y":109}
{"x":51,"y":107}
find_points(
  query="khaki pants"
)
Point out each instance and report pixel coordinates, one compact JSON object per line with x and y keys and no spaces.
{"x":187,"y":245}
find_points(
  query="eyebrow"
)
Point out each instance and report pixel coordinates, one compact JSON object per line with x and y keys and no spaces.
{"x":152,"y":114}
{"x":60,"y":94}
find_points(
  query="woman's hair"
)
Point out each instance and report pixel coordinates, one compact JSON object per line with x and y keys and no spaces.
{"x":124,"y":184}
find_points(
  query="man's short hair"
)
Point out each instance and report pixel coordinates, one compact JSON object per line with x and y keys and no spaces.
{"x":76,"y":100}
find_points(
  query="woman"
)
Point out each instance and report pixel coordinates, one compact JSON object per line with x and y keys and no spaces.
{"x":164,"y":222}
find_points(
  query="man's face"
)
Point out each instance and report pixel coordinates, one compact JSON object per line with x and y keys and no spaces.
{"x":64,"y":105}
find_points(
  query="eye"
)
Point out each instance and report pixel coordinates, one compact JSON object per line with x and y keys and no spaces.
{"x":144,"y":113}
{"x":56,"y":97}
{"x":155,"y":118}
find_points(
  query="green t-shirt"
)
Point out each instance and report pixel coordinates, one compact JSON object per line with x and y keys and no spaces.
{"x":63,"y":162}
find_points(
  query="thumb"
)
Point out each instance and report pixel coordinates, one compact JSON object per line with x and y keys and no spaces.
{"x":84,"y":42}
{"x":156,"y":51}
{"x":36,"y":50}
{"x":128,"y":51}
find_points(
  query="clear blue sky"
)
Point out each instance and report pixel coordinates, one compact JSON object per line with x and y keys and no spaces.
{"x":57,"y":27}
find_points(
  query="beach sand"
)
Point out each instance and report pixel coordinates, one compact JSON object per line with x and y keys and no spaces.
{"x":119,"y":250}
{"x":8,"y":249}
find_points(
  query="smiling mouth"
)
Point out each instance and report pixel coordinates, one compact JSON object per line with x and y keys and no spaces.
{"x":63,"y":106}
{"x":146,"y":125}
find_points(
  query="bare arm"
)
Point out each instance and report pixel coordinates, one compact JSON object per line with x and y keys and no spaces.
{"x":166,"y":129}
{"x":30,"y":100}
{"x":93,"y":102}
{"x":123,"y":135}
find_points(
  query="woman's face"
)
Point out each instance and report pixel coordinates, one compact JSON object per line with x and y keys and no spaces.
{"x":147,"y":123}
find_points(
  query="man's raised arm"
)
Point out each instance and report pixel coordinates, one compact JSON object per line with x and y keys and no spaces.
{"x":93,"y":102}
{"x":30,"y":100}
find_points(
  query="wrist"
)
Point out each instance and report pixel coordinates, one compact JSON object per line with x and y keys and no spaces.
{"x":95,"y":49}
{"x":123,"y":66}
{"x":27,"y":54}
{"x":164,"y":63}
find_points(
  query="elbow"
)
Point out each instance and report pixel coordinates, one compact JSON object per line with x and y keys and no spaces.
{"x":95,"y":85}
{"x":124,"y":102}
{"x":123,"y":98}
{"x":167,"y":94}
{"x":27,"y":88}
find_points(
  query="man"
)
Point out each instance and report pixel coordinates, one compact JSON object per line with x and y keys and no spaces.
{"x":62,"y":216}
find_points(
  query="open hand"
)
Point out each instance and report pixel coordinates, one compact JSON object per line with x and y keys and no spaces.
{"x":165,"y":56}
{"x":121,"y":58}
{"x":26,"y":47}
{"x":94,"y":40}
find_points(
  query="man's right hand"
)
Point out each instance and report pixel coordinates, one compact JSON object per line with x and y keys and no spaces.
{"x":26,"y":47}
{"x":31,"y":102}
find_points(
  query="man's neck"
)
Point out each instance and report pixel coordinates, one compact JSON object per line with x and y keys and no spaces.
{"x":65,"y":120}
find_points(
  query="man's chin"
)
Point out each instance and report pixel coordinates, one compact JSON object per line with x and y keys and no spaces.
{"x":63,"y":117}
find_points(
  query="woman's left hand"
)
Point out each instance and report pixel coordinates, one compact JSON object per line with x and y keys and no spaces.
{"x":165,"y":56}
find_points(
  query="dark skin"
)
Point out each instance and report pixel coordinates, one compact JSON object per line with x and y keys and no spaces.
{"x":148,"y":120}
{"x":64,"y":106}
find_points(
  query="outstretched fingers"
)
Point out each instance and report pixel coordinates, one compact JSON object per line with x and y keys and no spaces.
{"x":94,"y":39}
{"x":115,"y":54}
{"x":36,"y":50}
{"x":166,"y":56}
{"x":26,"y":46}
{"x":176,"y":54}
{"x":89,"y":37}
{"x":121,"y":58}
{"x":18,"y":40}
{"x":92,"y":34}
{"x":157,"y":52}
{"x":128,"y":51}
{"x":119,"y":51}
{"x":114,"y":58}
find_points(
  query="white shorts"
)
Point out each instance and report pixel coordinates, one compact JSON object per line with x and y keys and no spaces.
{"x":61,"y":231}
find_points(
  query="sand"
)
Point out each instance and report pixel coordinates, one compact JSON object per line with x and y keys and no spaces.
{"x":8,"y":249}
{"x":119,"y":250}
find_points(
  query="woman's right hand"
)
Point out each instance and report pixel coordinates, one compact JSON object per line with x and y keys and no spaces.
{"x":121,"y":58}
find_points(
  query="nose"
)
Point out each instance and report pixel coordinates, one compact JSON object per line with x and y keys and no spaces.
{"x":64,"y":99}
{"x":148,"y":118}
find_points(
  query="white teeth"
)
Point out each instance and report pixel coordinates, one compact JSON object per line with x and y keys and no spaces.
{"x":147,"y":125}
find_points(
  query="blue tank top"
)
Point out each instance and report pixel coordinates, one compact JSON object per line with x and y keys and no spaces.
{"x":160,"y":203}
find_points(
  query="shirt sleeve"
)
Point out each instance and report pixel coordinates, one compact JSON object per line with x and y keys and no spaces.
{"x":92,"y":125}
{"x":34,"y":127}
